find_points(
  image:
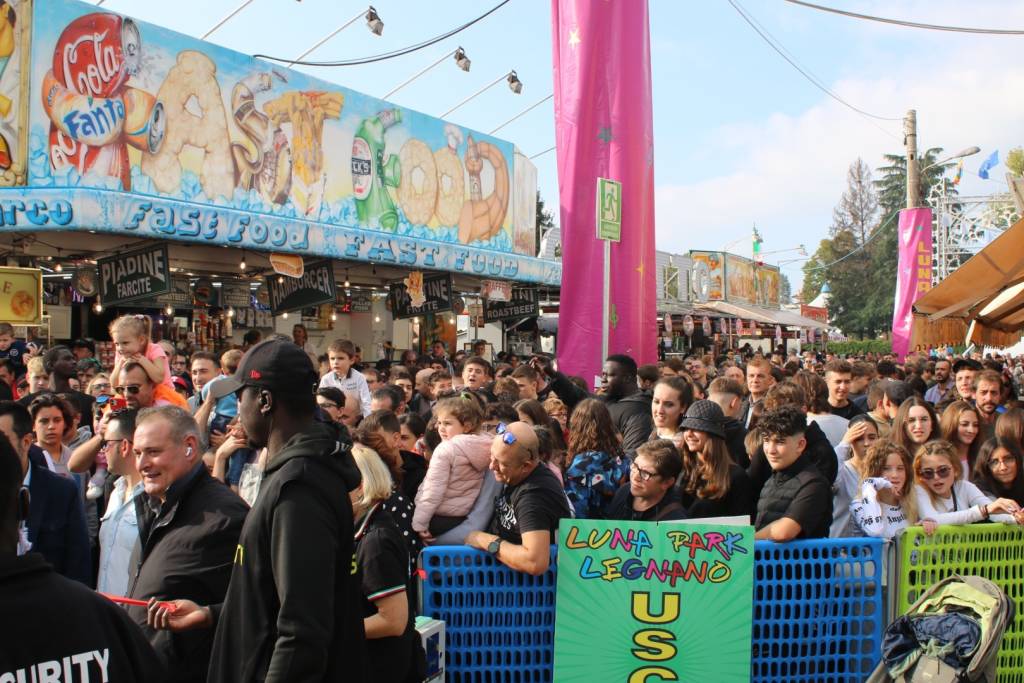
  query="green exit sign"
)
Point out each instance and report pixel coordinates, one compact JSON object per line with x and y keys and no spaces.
{"x":609,"y":210}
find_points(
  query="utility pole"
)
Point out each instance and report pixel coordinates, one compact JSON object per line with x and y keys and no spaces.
{"x":913,"y":164}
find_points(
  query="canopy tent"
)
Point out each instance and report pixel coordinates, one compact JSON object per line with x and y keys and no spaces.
{"x":982,"y":301}
{"x":767,"y":316}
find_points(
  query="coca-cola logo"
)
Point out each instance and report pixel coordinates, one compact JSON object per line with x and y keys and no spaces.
{"x":96,"y":54}
{"x":100,"y":66}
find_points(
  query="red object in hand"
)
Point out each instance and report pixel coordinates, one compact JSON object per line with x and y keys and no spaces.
{"x":139,"y":603}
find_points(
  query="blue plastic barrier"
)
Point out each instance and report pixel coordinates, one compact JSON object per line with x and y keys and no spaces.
{"x":817,"y":613}
{"x":818,"y":610}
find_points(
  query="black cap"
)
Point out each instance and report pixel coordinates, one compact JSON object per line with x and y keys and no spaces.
{"x":705,"y":416}
{"x":84,"y":343}
{"x":968,"y":363}
{"x":275,"y":365}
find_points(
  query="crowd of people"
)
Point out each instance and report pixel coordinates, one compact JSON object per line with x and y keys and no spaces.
{"x":258,"y":515}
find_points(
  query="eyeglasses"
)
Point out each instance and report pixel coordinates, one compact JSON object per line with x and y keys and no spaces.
{"x":645,"y":475}
{"x":106,"y":442}
{"x":940,"y":472}
{"x":328,"y":405}
{"x":508,"y":438}
{"x":130,"y":388}
{"x":1000,"y":462}
{"x":101,"y":385}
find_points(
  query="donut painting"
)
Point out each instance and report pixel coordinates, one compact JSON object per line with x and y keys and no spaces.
{"x":119,"y":104}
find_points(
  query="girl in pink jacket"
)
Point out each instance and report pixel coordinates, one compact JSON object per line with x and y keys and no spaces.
{"x":456,"y":469}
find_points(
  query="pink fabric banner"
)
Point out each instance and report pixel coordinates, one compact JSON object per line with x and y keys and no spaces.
{"x":913,"y":274}
{"x":604,"y":128}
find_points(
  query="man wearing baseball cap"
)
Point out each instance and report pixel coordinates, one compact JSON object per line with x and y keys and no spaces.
{"x":292,"y":611}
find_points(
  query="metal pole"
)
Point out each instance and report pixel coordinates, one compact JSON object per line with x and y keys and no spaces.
{"x":606,"y":299}
{"x":220,"y":23}
{"x":327,"y":37}
{"x":490,"y":85}
{"x":913,"y":164}
{"x":525,"y":111}
{"x":417,"y":75}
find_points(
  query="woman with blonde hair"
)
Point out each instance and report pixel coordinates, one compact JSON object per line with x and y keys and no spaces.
{"x":945,"y":497}
{"x":959,"y":425}
{"x":383,"y":563}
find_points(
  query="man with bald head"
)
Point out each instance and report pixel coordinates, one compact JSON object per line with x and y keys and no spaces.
{"x":526,"y":512}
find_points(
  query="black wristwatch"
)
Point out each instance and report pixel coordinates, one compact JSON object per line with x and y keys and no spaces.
{"x":493,"y":547}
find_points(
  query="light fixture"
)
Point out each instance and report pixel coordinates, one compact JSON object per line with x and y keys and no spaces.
{"x":373,"y":21}
{"x":280,"y":279}
{"x":347,"y":283}
{"x":285,"y":315}
{"x":334,"y":316}
{"x":514,"y":84}
{"x":98,"y":306}
{"x":242,"y":266}
{"x":231,"y":311}
{"x":169,"y":310}
{"x":451,"y":320}
{"x":58,"y":267}
{"x":376,"y":318}
{"x":461,"y":59}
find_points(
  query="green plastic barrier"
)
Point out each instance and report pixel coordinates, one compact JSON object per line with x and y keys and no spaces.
{"x":992,"y":551}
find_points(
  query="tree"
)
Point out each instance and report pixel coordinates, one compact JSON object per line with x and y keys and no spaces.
{"x":545,"y":221}
{"x":785,"y":289}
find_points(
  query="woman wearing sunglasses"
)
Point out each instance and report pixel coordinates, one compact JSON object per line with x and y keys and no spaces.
{"x":945,"y":497}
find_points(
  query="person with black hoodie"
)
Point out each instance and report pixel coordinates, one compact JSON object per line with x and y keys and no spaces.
{"x":293,"y":608}
{"x":50,"y":619}
{"x":817,"y":450}
{"x":630,"y":408}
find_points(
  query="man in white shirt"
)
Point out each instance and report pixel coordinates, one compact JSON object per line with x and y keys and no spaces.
{"x":119,"y":527}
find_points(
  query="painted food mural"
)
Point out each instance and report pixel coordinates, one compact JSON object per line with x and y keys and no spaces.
{"x":124,"y":105}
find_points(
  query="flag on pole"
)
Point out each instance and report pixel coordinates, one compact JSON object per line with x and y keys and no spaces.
{"x":991,"y":162}
{"x":604,"y":129}
{"x":959,"y":172}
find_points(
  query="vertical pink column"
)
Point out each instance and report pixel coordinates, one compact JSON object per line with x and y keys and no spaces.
{"x":913,"y":274}
{"x":604,"y":129}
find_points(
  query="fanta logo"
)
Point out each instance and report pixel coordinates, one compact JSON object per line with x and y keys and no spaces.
{"x":255,"y":374}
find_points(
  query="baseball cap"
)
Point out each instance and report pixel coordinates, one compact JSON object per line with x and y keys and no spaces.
{"x":274,"y":365}
{"x":968,"y":363}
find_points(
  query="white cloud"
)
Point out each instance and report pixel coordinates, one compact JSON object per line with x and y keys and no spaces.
{"x":966,"y":90}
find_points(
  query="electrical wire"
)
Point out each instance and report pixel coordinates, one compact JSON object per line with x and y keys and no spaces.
{"x":540,"y":154}
{"x":911,"y":24}
{"x":806,"y":74}
{"x":394,"y":53}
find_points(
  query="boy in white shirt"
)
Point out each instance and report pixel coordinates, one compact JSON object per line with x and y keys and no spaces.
{"x":341,"y":355}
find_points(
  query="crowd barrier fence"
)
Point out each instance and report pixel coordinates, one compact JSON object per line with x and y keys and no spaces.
{"x":992,"y":551}
{"x":818,"y":613}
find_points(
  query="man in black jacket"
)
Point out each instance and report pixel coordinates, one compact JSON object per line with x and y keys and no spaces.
{"x":188,"y":531}
{"x":53,"y":624}
{"x":630,"y":408}
{"x":293,"y":610}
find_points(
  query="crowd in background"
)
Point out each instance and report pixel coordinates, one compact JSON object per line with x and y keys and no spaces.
{"x":207,"y":487}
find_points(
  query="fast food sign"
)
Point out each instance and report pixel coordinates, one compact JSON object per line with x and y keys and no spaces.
{"x":21,"y":296}
{"x":135,"y":275}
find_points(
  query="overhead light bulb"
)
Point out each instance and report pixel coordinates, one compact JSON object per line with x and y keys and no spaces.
{"x":169,"y":310}
{"x":231,"y":312}
{"x":285,"y":315}
{"x":58,"y":268}
{"x":242,"y":265}
{"x":376,"y":318}
{"x":461,"y":59}
{"x":98,"y":307}
{"x":334,"y":316}
{"x":514,"y":84}
{"x":347,"y":283}
{"x":280,"y":279}
{"x":373,"y":22}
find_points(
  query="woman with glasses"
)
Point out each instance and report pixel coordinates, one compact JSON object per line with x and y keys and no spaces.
{"x":998,"y":471}
{"x":647,"y":497}
{"x":595,"y":464}
{"x":945,"y":497}
{"x":712,"y":484}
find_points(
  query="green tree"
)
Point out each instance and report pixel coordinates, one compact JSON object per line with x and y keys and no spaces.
{"x":785,"y":289}
{"x":545,"y":221}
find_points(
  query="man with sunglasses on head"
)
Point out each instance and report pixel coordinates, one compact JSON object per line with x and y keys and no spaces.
{"x":529,"y":506}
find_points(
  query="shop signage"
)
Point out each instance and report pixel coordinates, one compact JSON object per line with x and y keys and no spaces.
{"x":705,"y":324}
{"x":180,"y":295}
{"x":688,"y":325}
{"x":84,"y":281}
{"x":21,"y":296}
{"x":316,"y":286}
{"x":204,"y":292}
{"x":609,"y":210}
{"x":361,"y":303}
{"x":496,"y":290}
{"x":134,"y":275}
{"x":523,"y":304}
{"x":680,"y":595}
{"x":418,"y":294}
{"x":235,"y":294}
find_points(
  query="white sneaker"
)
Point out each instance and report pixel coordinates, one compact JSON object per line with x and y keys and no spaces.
{"x":94,"y":492}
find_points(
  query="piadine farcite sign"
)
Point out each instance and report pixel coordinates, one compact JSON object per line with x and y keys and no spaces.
{"x":419,"y":294}
{"x":522,"y":304}
{"x":315,"y":286}
{"x":674,"y":602}
{"x":134,"y":275}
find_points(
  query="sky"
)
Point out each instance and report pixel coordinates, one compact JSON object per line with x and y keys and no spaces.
{"x":741,"y":138}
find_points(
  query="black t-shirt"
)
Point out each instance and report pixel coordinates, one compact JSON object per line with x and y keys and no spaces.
{"x":737,"y":501}
{"x":849,"y":411}
{"x":801,"y":493}
{"x":534,"y":504}
{"x":384,"y":570}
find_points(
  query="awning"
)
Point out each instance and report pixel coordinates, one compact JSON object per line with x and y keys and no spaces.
{"x":761,"y":315}
{"x":986,"y":292}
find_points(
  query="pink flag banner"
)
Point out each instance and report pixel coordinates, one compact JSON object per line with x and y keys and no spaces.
{"x":913,"y":274}
{"x":604,"y":128}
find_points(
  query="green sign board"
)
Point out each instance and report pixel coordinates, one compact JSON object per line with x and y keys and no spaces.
{"x":609,"y":210}
{"x":135,"y":275}
{"x":646,"y":602}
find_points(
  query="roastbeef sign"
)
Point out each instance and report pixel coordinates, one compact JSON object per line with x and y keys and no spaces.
{"x":315,"y":286}
{"x":134,"y":275}
{"x":522,"y":304}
